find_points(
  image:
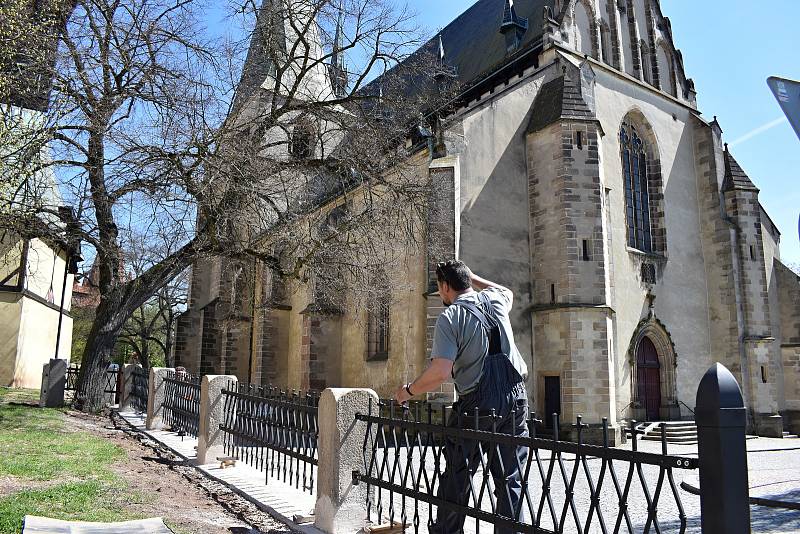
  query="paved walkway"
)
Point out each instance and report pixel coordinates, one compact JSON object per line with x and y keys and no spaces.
{"x":282,"y":501}
{"x":773,"y":466}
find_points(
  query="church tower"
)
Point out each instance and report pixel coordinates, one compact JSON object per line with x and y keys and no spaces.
{"x":234,"y":306}
{"x":571,"y":319}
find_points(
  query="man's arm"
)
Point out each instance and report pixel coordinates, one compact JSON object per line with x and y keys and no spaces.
{"x":439,"y":370}
{"x":482,"y":283}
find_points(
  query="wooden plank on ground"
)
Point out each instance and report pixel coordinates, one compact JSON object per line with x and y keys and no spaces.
{"x":386,"y":528}
{"x":45,"y":525}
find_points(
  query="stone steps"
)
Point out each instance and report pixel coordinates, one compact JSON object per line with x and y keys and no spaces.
{"x":682,"y":432}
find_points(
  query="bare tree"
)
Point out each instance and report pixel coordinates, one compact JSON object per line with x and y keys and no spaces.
{"x":147,"y":138}
{"x":152,"y":325}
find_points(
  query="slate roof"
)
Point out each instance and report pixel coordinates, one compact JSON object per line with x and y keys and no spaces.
{"x":735,"y":177}
{"x":473,"y":45}
{"x":558,"y":99}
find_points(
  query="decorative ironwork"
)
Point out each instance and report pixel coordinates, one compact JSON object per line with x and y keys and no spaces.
{"x":566,"y":486}
{"x":274,"y":431}
{"x":648,"y":271}
{"x":140,"y":388}
{"x":182,"y":403}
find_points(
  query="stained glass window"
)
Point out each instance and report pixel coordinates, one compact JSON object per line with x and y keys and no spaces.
{"x":637,"y":201}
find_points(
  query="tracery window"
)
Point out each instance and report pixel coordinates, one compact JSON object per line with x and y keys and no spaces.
{"x":637,"y":201}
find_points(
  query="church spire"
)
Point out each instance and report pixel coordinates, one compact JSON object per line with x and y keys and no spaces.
{"x":513,"y":26}
{"x":337,"y":69}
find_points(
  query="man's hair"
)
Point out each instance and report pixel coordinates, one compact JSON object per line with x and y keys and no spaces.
{"x":455,"y":273}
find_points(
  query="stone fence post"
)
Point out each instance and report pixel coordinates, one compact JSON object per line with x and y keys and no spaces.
{"x":721,"y":420}
{"x":341,"y":506}
{"x":155,"y":397}
{"x":54,"y":380}
{"x":209,"y":436}
{"x":127,"y":385}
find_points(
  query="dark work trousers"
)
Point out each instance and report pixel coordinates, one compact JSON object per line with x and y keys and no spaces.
{"x":501,"y":388}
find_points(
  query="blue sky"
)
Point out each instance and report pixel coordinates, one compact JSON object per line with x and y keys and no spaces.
{"x":730,"y":57}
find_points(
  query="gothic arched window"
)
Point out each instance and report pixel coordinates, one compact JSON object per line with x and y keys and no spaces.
{"x":637,"y":199}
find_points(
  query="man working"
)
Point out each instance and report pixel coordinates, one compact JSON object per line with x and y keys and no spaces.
{"x":473,"y":342}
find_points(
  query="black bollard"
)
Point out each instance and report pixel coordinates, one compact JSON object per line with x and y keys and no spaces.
{"x":721,"y":420}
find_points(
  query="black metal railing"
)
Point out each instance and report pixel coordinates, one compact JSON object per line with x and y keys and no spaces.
{"x":182,"y":403}
{"x":274,"y":431}
{"x":111,"y":378}
{"x":562,"y":486}
{"x":140,"y":389}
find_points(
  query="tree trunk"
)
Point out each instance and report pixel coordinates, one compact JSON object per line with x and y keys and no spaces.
{"x":144,"y":353}
{"x":169,"y":354}
{"x":108,"y":322}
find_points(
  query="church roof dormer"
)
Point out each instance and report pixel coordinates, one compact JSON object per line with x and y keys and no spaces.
{"x":735,"y":177}
{"x":513,"y":26}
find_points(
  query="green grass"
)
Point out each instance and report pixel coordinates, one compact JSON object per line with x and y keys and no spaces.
{"x":36,"y":446}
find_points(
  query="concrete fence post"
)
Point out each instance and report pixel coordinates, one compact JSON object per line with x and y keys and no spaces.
{"x":155,"y":397}
{"x":721,"y":420}
{"x":209,"y":436}
{"x":341,"y":506}
{"x":54,"y":380}
{"x":126,"y":388}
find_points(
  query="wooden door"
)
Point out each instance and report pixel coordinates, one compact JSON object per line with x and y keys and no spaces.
{"x":649,"y":379}
{"x":552,"y":399}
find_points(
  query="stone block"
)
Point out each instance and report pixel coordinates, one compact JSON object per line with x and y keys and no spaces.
{"x":155,"y":398}
{"x":209,"y":435}
{"x":340,"y":507}
{"x":54,"y":379}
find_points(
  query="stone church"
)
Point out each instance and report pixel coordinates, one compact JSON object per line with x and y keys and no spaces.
{"x":578,"y":171}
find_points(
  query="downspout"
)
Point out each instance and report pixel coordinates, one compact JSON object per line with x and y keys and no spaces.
{"x":67,"y":259}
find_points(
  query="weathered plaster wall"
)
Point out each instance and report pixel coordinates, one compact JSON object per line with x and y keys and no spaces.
{"x":681,"y":289}
{"x":406,"y":338}
{"x":45,"y":273}
{"x":10,"y":314}
{"x":37,"y":342}
{"x":494,"y":235}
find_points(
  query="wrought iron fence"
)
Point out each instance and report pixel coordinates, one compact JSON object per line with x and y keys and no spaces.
{"x":110,"y":386}
{"x":562,"y":486}
{"x":274,"y":431}
{"x":182,"y":403}
{"x":140,"y":388}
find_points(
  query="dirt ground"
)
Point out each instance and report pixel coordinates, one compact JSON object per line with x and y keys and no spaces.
{"x":188,"y":502}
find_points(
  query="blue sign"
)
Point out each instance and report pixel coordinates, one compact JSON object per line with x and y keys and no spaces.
{"x":788,"y":94}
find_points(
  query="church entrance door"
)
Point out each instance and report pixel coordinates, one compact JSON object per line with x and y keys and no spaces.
{"x":649,"y":379}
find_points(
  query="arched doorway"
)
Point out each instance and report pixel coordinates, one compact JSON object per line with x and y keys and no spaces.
{"x":648,"y":378}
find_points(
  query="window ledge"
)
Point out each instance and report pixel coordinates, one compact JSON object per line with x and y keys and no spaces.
{"x":650,"y":255}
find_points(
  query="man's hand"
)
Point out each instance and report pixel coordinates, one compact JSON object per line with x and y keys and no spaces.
{"x":439,"y":370}
{"x":401,"y":395}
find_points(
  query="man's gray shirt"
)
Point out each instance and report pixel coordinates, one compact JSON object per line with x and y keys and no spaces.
{"x":459,"y":337}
